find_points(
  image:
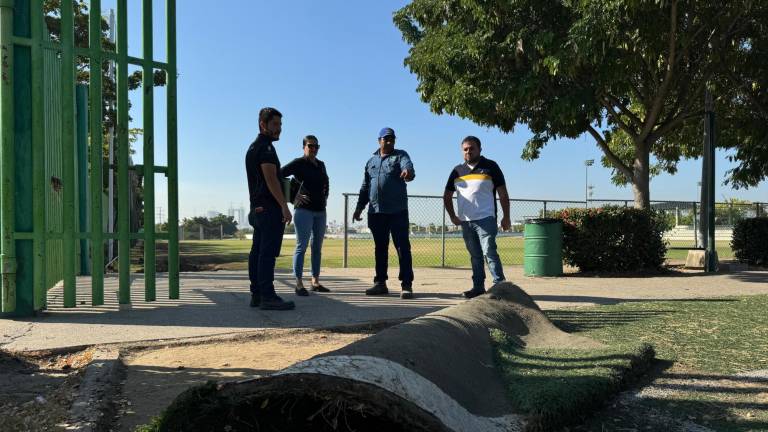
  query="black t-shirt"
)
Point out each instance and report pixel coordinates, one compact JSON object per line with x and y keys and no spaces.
{"x":313,"y":179}
{"x":261,"y":151}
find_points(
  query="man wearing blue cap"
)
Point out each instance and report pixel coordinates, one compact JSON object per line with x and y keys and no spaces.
{"x":384,"y":191}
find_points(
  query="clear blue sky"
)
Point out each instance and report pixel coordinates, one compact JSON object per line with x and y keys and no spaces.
{"x":335,"y":69}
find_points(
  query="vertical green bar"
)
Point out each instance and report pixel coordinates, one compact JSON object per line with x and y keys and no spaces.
{"x":123,"y":195}
{"x":7,"y":142}
{"x":173,"y":171}
{"x":38,"y":156}
{"x":149,"y":154}
{"x":97,"y":135}
{"x":81,"y":145}
{"x":68,"y":148}
{"x":22,"y":160}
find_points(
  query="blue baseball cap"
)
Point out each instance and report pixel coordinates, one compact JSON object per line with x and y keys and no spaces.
{"x":386,"y":132}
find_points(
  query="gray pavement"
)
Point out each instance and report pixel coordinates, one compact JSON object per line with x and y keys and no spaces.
{"x":216,"y":303}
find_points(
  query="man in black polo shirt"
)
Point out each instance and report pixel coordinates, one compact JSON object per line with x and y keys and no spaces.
{"x":475,"y":182}
{"x":269,"y":212}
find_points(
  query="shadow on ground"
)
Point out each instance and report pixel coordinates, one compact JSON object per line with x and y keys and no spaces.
{"x":680,"y":401}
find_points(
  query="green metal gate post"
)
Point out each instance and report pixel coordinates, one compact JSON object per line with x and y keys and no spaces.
{"x":148,"y":87}
{"x":96,"y":127}
{"x":123,"y":215}
{"x":22,"y":211}
{"x":38,"y":156}
{"x":81,"y":113}
{"x":173,"y":171}
{"x":68,"y":148}
{"x":7,"y":226}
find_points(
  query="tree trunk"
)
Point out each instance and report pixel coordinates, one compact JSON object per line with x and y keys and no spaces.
{"x":641,"y":180}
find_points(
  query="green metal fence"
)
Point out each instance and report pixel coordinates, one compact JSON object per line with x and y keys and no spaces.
{"x":45,"y":179}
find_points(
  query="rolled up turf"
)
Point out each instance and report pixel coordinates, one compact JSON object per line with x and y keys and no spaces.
{"x":433,"y":373}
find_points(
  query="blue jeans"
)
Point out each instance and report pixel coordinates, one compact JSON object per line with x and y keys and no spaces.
{"x":308,"y":222}
{"x":268,"y":230}
{"x":396,"y":224}
{"x":480,"y":239}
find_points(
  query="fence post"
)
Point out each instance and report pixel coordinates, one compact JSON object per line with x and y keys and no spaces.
{"x":545,"y":210}
{"x":221,"y":232}
{"x":202,"y":235}
{"x":730,"y":214}
{"x":442,"y":238}
{"x":346,"y":230}
{"x":695,"y":228}
{"x":757,"y":209}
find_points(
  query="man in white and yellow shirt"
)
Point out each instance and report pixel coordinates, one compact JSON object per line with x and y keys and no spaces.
{"x":476,"y":182}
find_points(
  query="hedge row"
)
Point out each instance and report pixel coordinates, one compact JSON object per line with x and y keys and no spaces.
{"x":613,"y":239}
{"x":750,"y":241}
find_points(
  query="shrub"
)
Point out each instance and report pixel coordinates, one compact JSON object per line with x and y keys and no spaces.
{"x":613,"y":238}
{"x":750,"y":241}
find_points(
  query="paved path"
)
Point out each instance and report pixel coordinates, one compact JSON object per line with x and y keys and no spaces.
{"x":215,"y":303}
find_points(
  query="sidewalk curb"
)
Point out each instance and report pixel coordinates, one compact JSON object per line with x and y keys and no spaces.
{"x":94,"y":403}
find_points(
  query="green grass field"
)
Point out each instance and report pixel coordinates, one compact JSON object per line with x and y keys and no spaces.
{"x":233,"y":254}
{"x":553,"y":387}
{"x":704,"y":341}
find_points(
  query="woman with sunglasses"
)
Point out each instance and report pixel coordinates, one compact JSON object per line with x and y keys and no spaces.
{"x":309,"y":216}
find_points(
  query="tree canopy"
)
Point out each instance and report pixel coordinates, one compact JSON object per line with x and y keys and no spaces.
{"x":631,"y":74}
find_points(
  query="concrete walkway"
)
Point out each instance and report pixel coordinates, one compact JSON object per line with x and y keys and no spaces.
{"x":215,"y":303}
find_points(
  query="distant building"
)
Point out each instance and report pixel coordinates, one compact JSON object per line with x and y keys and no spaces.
{"x":239,"y":215}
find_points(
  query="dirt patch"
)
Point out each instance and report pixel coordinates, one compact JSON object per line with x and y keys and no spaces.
{"x":38,"y":389}
{"x":155,"y":376}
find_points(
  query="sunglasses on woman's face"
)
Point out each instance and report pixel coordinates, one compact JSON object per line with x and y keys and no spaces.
{"x":313,"y":146}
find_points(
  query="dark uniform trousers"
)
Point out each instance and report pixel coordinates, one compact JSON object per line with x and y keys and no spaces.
{"x":396,"y":224}
{"x":268,"y":230}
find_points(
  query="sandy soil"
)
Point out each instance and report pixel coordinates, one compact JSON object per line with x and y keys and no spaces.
{"x":36,"y":389}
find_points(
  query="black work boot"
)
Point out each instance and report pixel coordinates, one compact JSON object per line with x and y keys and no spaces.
{"x":255,"y":300}
{"x":378,"y":288}
{"x":474,"y":292}
{"x":276,"y":303}
{"x":407,"y":291}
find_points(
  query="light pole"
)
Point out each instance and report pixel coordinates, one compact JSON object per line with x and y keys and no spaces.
{"x":587,"y":163}
{"x":698,"y":191}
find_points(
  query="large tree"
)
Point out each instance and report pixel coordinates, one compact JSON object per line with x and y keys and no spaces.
{"x":630,"y":74}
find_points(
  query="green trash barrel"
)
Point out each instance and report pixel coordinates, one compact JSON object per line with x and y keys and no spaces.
{"x":543,"y":247}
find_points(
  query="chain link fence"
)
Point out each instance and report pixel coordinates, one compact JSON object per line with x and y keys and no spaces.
{"x":684,"y":218}
{"x":436,"y":242}
{"x":200,"y":232}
